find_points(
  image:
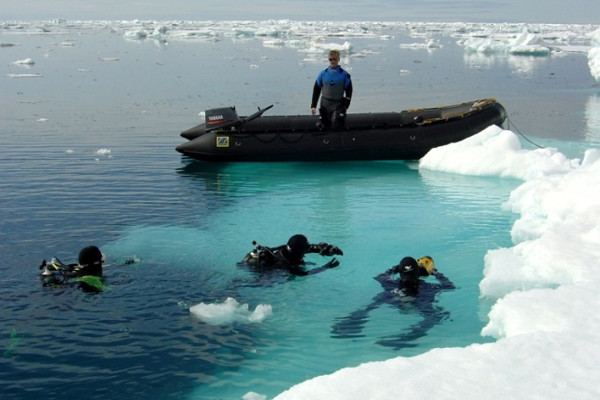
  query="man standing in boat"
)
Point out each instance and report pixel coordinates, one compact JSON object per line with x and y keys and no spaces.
{"x":331,"y":84}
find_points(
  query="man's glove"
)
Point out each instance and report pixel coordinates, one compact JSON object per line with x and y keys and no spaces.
{"x":329,"y":250}
{"x":346,"y":102}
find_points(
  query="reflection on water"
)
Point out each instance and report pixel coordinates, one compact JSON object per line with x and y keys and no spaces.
{"x":520,"y":65}
{"x":525,"y":65}
{"x":592,"y":118}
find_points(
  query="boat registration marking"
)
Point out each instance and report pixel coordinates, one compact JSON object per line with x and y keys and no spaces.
{"x":222,"y":141}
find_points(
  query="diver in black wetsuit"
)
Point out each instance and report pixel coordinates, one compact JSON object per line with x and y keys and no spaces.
{"x":87,"y":271}
{"x":89,"y":263}
{"x":407,"y":294}
{"x":290,"y":256}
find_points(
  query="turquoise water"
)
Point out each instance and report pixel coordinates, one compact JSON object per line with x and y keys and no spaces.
{"x":189,"y":223}
{"x":201,"y":221}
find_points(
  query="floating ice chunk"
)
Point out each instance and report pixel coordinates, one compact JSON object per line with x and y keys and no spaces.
{"x":109,"y":59}
{"x":272,"y":31}
{"x":489,"y":46}
{"x":528,"y":44}
{"x":160,"y":30}
{"x":26,"y":61}
{"x":136,"y":34}
{"x":103,"y":152}
{"x":254,"y":66}
{"x":525,"y":43}
{"x":24,"y":75}
{"x":320,"y":47}
{"x":158,"y":33}
{"x":42,"y":120}
{"x":483,"y":45}
{"x":230,"y":311}
{"x":194,"y":34}
{"x":254,"y":396}
{"x":274,"y":43}
{"x":344,"y":47}
{"x":433,"y":44}
{"x":279,"y":43}
{"x":427,"y":44}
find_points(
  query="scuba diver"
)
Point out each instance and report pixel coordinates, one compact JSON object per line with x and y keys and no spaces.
{"x":409,"y":293}
{"x":290,"y":257}
{"x":331,"y":84}
{"x":87,"y":271}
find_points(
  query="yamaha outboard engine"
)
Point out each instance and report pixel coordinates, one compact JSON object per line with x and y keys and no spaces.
{"x":221,"y":118}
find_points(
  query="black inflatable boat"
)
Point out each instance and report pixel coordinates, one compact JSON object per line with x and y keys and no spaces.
{"x":405,"y":135}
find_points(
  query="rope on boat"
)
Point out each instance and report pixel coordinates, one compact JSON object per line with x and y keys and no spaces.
{"x":510,"y":122}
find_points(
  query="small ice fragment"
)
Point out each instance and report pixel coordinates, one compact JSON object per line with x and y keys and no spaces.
{"x":103,"y":152}
{"x":27,"y":61}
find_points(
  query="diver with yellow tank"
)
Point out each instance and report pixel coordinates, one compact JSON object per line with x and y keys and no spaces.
{"x":407,"y":293}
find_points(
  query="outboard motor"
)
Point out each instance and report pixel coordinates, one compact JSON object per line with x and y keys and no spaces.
{"x":221,"y":118}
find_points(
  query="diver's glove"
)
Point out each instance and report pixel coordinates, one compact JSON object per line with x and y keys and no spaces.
{"x":332,"y":263}
{"x":394,"y":270}
{"x":326,"y":249}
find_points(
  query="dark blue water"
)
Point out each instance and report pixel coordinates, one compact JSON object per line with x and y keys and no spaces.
{"x":189,"y":223}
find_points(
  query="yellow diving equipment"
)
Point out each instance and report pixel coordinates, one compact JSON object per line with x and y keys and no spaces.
{"x":427,"y":266}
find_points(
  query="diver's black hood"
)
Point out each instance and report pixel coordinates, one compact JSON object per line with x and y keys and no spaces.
{"x":409,"y":273}
{"x":90,"y":255}
{"x":295,"y":249}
